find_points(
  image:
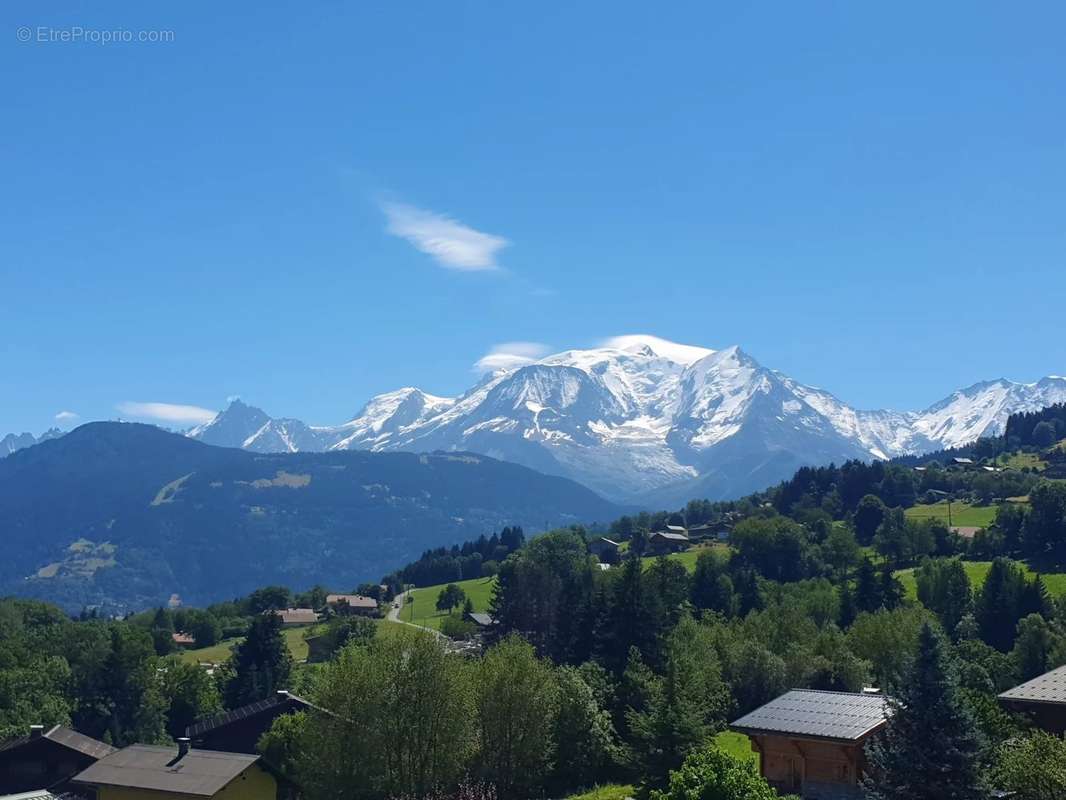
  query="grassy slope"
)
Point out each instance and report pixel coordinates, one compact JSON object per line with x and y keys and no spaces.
{"x":978,"y":570}
{"x":423,"y":610}
{"x":961,"y":514}
{"x":294,"y":638}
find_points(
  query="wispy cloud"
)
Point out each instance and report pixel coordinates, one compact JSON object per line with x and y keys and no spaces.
{"x":67,"y":416}
{"x":510,"y":355}
{"x":449,"y":242}
{"x":166,"y":412}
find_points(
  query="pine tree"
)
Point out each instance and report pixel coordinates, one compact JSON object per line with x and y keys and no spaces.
{"x":261,"y":663}
{"x":891,"y":589}
{"x":847,"y":612}
{"x":867,"y":588}
{"x":930,"y":748}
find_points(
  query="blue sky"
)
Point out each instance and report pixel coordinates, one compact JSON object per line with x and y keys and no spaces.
{"x":308,"y":208}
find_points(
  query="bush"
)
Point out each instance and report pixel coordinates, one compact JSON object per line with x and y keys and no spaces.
{"x":457,"y":628}
{"x":711,"y":774}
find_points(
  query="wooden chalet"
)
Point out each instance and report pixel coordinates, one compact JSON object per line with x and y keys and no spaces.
{"x":238,"y":731}
{"x":293,"y":617}
{"x":353,"y":604}
{"x":605,"y":549}
{"x":811,"y":742}
{"x":1043,"y":700}
{"x":662,"y":542}
{"x":47,"y":759}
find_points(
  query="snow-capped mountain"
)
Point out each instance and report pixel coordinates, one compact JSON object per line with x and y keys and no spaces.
{"x":646,"y":420}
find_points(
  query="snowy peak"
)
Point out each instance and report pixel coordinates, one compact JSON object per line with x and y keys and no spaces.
{"x":640,"y":417}
{"x":235,"y":425}
{"x":642,"y":343}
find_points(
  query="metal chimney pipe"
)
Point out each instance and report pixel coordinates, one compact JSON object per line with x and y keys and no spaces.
{"x":183,"y":746}
{"x":36,"y":731}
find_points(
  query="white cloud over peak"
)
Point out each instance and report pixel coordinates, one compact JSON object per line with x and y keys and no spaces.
{"x":166,"y":412}
{"x":511,"y":355}
{"x":449,"y":242}
{"x":680,"y":353}
{"x":67,"y":416}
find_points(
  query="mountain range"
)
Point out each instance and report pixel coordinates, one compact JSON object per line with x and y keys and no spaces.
{"x":649,"y":422}
{"x":123,"y":516}
{"x":17,"y":441}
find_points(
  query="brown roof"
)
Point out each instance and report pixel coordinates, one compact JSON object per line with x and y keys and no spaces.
{"x":183,"y":638}
{"x":140,"y":766}
{"x":298,"y":616}
{"x":353,"y":600}
{"x":65,"y":737}
{"x":965,"y":531}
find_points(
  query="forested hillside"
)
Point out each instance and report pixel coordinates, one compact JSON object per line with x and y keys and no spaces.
{"x":123,"y":516}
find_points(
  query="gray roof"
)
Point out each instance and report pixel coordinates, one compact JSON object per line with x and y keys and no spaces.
{"x":68,"y":738}
{"x":36,"y":794}
{"x":673,"y":537}
{"x":841,"y":716}
{"x":1047,"y":688}
{"x":141,"y":766}
{"x":481,"y":618}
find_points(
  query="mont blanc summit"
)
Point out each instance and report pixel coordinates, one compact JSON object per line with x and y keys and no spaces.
{"x":643,"y":418}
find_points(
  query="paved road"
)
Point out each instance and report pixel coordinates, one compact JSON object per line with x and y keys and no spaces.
{"x":394,"y":616}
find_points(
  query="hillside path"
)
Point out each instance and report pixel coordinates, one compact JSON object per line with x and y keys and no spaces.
{"x":394,"y":616}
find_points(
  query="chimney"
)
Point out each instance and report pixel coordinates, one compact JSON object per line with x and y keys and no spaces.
{"x":282,"y":694}
{"x":36,"y":731}
{"x":183,"y":746}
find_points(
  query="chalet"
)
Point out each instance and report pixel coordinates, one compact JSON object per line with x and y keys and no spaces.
{"x":962,"y":463}
{"x":183,"y":639}
{"x":147,"y":772}
{"x":605,"y":549}
{"x":291,"y":617}
{"x":353,"y":604}
{"x":1043,"y":700}
{"x":662,"y":542}
{"x":238,"y":731}
{"x":965,"y":531}
{"x":480,"y":619}
{"x":47,"y":759}
{"x":811,"y":742}
{"x":696,"y":532}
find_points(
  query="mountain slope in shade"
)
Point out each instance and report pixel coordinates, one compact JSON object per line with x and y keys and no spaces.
{"x":653,"y":421}
{"x":124,"y":515}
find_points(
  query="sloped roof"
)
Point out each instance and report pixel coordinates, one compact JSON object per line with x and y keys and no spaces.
{"x":66,"y":737}
{"x":297,"y":615}
{"x":36,"y":794}
{"x":481,"y":618}
{"x":271,"y":703}
{"x":140,"y":766}
{"x":353,"y":600}
{"x":841,"y":716}
{"x":673,"y":537}
{"x":1047,"y":688}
